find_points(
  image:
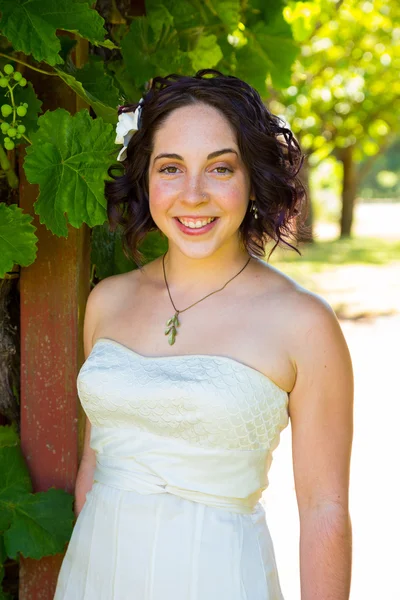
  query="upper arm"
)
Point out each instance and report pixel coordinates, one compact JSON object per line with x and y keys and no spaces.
{"x":321,"y":406}
{"x":93,"y":313}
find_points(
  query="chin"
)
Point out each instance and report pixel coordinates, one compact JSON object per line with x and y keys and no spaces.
{"x":196,"y":253}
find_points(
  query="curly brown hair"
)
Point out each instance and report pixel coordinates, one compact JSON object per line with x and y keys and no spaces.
{"x":268,"y":149}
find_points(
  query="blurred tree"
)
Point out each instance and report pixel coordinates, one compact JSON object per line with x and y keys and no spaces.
{"x":344,"y":99}
{"x":383,"y":180}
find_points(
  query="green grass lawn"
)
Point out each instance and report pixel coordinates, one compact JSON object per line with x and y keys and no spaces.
{"x":360,"y":276}
{"x":323,"y":254}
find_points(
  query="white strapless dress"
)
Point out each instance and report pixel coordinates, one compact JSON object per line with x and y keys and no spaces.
{"x":183,"y":446}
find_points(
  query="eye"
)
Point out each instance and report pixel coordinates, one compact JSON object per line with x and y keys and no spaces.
{"x":171,"y":170}
{"x":224,"y":171}
{"x":166,"y":170}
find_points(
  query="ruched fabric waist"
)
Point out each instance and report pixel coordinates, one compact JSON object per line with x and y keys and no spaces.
{"x":127,"y":474}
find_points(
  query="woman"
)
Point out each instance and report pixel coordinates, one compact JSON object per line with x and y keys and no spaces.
{"x":195,"y":362}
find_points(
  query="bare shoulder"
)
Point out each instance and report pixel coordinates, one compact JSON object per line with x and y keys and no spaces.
{"x":301,"y":309}
{"x":104,"y":301}
{"x":111,"y":297}
{"x":111,"y":289}
{"x":303,"y":325}
{"x":313,"y":319}
{"x":314,"y":339}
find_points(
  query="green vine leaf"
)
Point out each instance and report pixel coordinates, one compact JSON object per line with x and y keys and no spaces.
{"x":8,"y":435}
{"x":31,"y":25}
{"x":227,"y":10}
{"x":95,"y":86}
{"x":69,"y":158}
{"x":158,"y":16}
{"x":34,"y":525}
{"x":270,"y":49}
{"x":137,"y":51}
{"x":3,"y":553}
{"x":107,"y":254}
{"x":185,"y":14}
{"x":42,"y":524}
{"x":17,"y":238}
{"x":146,"y":56}
{"x":206,"y":54}
{"x":27,"y":94}
{"x":14,"y":482}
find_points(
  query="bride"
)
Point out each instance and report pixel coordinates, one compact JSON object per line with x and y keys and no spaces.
{"x":196,"y":361}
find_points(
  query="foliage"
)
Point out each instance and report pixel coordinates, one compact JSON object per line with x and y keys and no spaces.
{"x":383,"y":179}
{"x":32,"y":525}
{"x":69,"y":158}
{"x":345,"y":92}
{"x":18,"y":240}
{"x":19,"y":99}
{"x":107,"y":252}
{"x":345,"y":88}
{"x":86,"y":84}
{"x":31,"y":26}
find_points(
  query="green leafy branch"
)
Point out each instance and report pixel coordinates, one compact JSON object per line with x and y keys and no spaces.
{"x":31,"y":524}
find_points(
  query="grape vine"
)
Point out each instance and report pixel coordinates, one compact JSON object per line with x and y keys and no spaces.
{"x":13,"y":130}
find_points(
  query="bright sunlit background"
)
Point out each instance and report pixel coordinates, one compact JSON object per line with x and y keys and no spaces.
{"x":344,"y":104}
{"x":361,"y":279}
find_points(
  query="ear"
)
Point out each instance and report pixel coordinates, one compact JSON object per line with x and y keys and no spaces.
{"x":252,"y":195}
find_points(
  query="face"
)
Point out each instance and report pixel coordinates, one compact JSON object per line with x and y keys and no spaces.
{"x":196,"y":173}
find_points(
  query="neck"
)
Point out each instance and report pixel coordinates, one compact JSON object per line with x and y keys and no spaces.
{"x":191,"y":276}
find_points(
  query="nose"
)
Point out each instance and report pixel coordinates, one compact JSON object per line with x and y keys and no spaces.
{"x":195,"y":190}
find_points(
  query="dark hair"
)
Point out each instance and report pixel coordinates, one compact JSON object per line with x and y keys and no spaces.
{"x":268,"y":149}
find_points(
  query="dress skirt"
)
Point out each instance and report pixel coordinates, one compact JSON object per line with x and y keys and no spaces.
{"x":131,"y":546}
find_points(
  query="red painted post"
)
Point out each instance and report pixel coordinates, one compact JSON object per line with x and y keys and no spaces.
{"x":53,"y":296}
{"x":53,"y":292}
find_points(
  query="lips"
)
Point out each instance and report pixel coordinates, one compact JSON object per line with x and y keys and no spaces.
{"x":196,"y":230}
{"x":195,"y":222}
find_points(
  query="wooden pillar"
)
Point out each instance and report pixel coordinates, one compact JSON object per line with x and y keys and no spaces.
{"x":53,"y":291}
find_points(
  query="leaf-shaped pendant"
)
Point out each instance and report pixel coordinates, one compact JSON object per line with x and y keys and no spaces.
{"x":171,"y":337}
{"x":171,"y":325}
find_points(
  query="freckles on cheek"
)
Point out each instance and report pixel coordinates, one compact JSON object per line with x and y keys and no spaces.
{"x":233,"y":197}
{"x":160,"y":195}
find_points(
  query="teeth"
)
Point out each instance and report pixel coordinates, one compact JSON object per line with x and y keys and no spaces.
{"x":196,"y":224}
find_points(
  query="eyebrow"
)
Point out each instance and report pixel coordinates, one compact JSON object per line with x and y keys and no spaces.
{"x":209,"y":157}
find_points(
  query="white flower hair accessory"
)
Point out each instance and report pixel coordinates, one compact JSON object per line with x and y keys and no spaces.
{"x":127,"y":125}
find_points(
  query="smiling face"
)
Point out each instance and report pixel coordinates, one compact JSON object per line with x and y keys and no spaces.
{"x":196,"y":173}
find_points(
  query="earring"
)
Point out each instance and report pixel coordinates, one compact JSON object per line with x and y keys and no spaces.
{"x":254,"y":209}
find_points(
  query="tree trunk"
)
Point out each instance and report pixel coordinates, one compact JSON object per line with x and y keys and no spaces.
{"x":349,"y":189}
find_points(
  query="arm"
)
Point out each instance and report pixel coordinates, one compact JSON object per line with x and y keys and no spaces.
{"x":84,"y":480}
{"x":321,"y":415}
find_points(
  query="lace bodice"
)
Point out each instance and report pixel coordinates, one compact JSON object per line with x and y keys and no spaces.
{"x":200,"y":423}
